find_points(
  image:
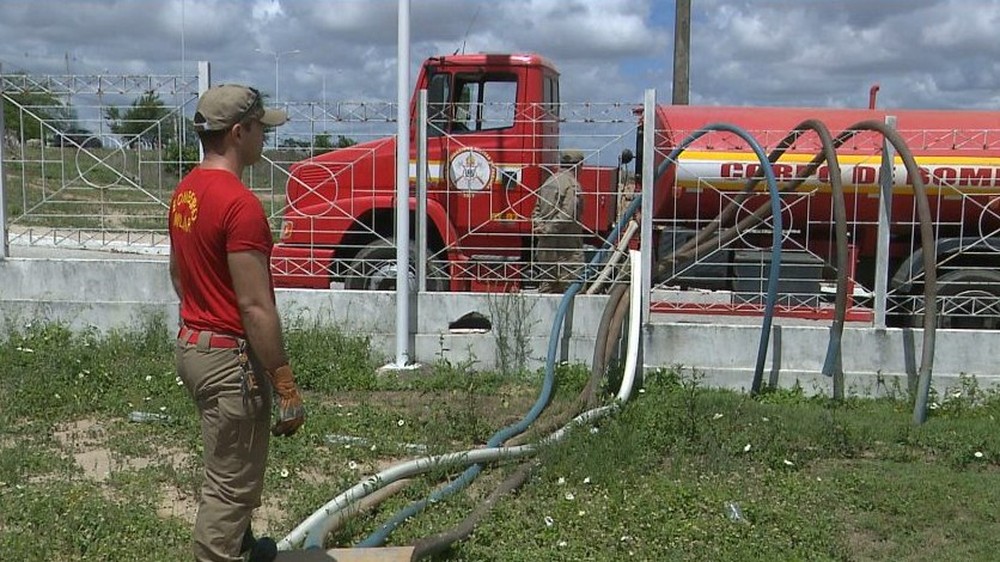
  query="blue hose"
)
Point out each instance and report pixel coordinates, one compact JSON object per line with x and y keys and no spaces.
{"x":378,"y":537}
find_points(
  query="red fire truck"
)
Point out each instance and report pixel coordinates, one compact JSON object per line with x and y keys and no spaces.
{"x":493,"y":138}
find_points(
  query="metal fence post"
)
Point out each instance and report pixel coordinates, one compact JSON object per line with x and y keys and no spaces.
{"x":884,"y":220}
{"x":421,"y":214}
{"x":204,"y":83}
{"x":4,"y":249}
{"x":646,"y":226}
{"x":403,"y":332}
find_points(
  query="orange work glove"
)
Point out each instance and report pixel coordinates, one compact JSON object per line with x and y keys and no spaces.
{"x":291,"y":412}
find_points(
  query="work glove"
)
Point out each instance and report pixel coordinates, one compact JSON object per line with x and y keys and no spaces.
{"x":291,"y":412}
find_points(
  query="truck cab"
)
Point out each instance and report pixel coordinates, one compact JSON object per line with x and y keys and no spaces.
{"x":493,"y":138}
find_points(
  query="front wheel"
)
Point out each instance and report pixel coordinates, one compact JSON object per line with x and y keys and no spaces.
{"x":375,"y":270}
{"x":968,"y":299}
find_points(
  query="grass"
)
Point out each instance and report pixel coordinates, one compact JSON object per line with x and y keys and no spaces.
{"x":809,"y":479}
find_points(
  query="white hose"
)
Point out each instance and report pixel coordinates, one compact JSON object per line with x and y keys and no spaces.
{"x":634,"y":323}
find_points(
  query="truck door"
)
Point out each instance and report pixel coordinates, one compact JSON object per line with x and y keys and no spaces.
{"x":482,"y":154}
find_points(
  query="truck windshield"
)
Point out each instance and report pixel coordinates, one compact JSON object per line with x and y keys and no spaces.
{"x":471,"y":102}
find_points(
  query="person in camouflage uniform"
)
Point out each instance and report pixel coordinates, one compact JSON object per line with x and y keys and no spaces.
{"x":556,"y":226}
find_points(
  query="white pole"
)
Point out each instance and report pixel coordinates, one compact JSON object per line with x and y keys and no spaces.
{"x":325,"y":126}
{"x":884,"y":221}
{"x":204,"y":83}
{"x":4,"y":249}
{"x":403,"y":186}
{"x":646,"y":225}
{"x":421,"y":214}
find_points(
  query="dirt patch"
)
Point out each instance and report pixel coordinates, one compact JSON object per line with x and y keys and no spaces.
{"x":86,"y":440}
{"x":496,"y":409}
{"x":175,"y":502}
{"x":183,"y":505}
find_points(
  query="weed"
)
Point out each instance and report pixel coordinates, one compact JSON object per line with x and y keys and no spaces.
{"x":512,"y":328}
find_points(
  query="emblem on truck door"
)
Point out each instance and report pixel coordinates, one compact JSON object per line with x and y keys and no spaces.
{"x":471,"y":170}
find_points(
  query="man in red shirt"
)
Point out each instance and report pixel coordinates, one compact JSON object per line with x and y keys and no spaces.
{"x":230,"y":352}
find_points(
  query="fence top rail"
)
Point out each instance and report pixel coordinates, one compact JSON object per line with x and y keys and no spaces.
{"x":98,"y":83}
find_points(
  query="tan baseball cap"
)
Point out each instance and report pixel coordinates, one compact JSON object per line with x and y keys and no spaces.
{"x":221,"y":107}
{"x":571,"y":157}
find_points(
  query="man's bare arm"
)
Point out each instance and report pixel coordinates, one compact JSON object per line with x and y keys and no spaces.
{"x":249,"y":271}
{"x":175,"y":276}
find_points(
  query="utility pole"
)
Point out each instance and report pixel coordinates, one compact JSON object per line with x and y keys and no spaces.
{"x":277,"y":57}
{"x":682,"y":52}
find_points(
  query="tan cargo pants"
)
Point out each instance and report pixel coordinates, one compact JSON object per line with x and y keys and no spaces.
{"x":235,"y":424}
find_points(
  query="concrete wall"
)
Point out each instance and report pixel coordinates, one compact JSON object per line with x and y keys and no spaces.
{"x":111,"y":293}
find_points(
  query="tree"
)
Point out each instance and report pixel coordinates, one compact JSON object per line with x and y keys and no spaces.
{"x":322,"y":142}
{"x":33,"y":114}
{"x":145,"y":122}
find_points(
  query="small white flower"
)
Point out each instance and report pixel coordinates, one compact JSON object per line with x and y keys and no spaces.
{"x":569,"y":496}
{"x":586,"y":480}
{"x":642,"y":391}
{"x":179,"y":382}
{"x":149,"y":378}
{"x":284,"y":473}
{"x":400,"y":423}
{"x":26,"y":350}
{"x":373,"y":447}
{"x":789,"y":463}
{"x":581,"y":513}
{"x":747,"y":448}
{"x":717,"y":417}
{"x":561,"y":481}
{"x":934,"y":406}
{"x":625,"y":538}
{"x":562,"y":543}
{"x":765,"y":419}
{"x":163,"y":408}
{"x":352,"y":465}
{"x":978,"y":454}
{"x":818,"y":479}
{"x":56,"y":396}
{"x":549,"y":521}
{"x":347,"y":445}
{"x":349,"y":414}
{"x":594,"y":430}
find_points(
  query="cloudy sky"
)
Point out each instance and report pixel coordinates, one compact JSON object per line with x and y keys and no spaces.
{"x":923,"y":53}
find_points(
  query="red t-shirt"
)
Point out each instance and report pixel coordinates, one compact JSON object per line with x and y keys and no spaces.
{"x":211,"y":214}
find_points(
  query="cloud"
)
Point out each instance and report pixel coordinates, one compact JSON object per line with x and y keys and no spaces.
{"x":923,"y":53}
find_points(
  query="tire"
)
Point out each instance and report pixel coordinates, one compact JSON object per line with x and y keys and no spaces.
{"x":376,"y":264}
{"x":967,"y":299}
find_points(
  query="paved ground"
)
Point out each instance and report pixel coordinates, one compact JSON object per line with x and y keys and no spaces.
{"x":54,"y":252}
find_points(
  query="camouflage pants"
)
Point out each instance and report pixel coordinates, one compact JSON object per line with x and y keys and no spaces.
{"x":558,"y":260}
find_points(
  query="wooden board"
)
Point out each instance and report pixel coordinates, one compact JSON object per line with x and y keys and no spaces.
{"x":386,"y":554}
{"x":310,"y":555}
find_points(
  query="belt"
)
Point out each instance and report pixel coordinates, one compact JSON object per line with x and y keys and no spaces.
{"x":215,"y":340}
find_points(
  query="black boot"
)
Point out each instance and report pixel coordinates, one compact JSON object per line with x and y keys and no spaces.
{"x":263,"y":549}
{"x":266,"y":550}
